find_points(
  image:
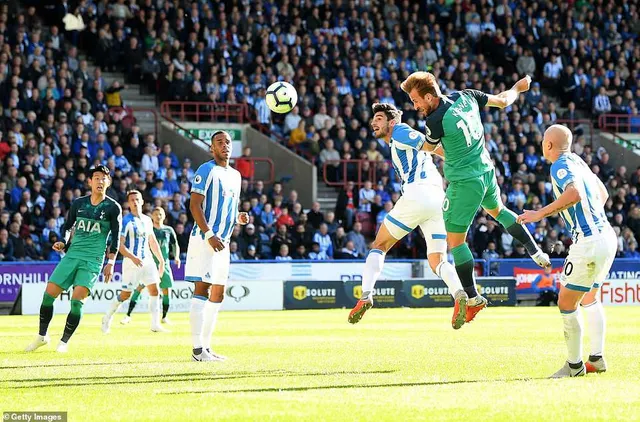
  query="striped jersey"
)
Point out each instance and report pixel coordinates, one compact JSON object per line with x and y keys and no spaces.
{"x":136,"y":231}
{"x":220,"y":187}
{"x":410,"y":163}
{"x":587,"y":217}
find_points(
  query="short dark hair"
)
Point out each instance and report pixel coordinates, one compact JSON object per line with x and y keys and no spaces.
{"x":99,"y":169}
{"x":133,"y":192}
{"x":219,"y":132}
{"x":388,"y":109}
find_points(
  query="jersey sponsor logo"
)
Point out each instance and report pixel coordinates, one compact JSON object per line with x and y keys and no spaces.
{"x":88,"y":226}
{"x":562,"y":173}
{"x":197,"y":179}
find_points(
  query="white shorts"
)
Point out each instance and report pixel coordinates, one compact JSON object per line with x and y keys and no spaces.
{"x":133,"y":276}
{"x":589,"y":260}
{"x":420,"y":205}
{"x":204,"y":264}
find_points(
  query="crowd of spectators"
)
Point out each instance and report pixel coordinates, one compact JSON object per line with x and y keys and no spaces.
{"x":342,"y":57}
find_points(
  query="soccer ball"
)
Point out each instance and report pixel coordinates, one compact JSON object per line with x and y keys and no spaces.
{"x":281,"y":97}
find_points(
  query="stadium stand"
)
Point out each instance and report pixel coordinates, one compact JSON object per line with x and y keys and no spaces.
{"x":59,"y":118}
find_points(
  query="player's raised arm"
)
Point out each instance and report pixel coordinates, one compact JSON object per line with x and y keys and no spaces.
{"x":506,"y":98}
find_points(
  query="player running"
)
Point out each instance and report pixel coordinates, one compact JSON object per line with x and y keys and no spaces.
{"x":580,"y":198}
{"x":136,"y":238}
{"x":419,"y":205}
{"x":453,"y":122}
{"x":93,"y":218}
{"x":167,"y":239}
{"x":214,"y":206}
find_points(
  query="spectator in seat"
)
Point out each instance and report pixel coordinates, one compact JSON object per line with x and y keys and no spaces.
{"x":166,"y":152}
{"x":331,"y":157}
{"x":519,"y":252}
{"x":281,"y":237}
{"x":234,"y":252}
{"x":323,"y":239}
{"x":285,"y":218}
{"x":159,"y":191}
{"x":17,"y":242}
{"x":357,"y":238}
{"x":330,"y":221}
{"x":252,"y":253}
{"x":251,"y":238}
{"x":267,"y":218}
{"x":301,"y":236}
{"x":6,"y":247}
{"x":292,"y":121}
{"x":316,"y":254}
{"x":388,"y":206}
{"x":601,"y":103}
{"x":490,"y":252}
{"x":372,"y":153}
{"x":300,"y":253}
{"x":315,"y":216}
{"x":366,"y":196}
{"x":298,"y":136}
{"x":347,"y":204}
{"x":245,"y":165}
{"x":283,"y":253}
{"x":348,"y":252}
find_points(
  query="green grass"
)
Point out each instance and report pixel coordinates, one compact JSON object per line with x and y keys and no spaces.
{"x":397,"y":364}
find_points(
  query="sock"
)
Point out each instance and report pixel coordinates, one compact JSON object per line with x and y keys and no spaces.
{"x":165,"y":305}
{"x":508,"y":220}
{"x":115,"y":305}
{"x":73,"y":320}
{"x":154,"y":308}
{"x":132,"y":305}
{"x":211,"y":310}
{"x":447,"y":272}
{"x":372,"y":269}
{"x":196,"y":318}
{"x":573,"y":335}
{"x":596,"y":323}
{"x":463,"y":258}
{"x":46,"y":313}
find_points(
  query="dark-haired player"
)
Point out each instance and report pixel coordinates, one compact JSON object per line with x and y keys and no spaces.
{"x":93,"y":218}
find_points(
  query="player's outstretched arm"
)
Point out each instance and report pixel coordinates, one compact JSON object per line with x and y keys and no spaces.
{"x":569,"y":197}
{"x":506,"y":98}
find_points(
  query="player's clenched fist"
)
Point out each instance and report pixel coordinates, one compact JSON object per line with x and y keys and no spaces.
{"x":58,"y":246}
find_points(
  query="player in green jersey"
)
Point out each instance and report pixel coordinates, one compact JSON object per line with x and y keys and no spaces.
{"x":94,"y":219}
{"x":453,"y":123}
{"x":167,"y":240}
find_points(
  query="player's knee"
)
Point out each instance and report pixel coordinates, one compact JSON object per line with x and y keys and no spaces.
{"x":153,"y":289}
{"x":567,"y":303}
{"x":124,"y":295}
{"x":217,"y":293}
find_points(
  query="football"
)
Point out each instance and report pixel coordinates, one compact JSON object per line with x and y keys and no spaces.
{"x":281,"y":97}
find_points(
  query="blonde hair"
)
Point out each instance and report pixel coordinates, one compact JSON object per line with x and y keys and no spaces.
{"x":424,"y":82}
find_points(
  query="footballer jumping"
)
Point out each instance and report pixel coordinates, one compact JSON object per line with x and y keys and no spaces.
{"x":453,"y":123}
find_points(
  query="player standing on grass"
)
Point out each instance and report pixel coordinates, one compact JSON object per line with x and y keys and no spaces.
{"x":420,"y":205}
{"x":580,"y":198}
{"x":137,"y":241}
{"x":93,"y":219}
{"x":167,"y":239}
{"x":453,"y":122}
{"x":214,"y":205}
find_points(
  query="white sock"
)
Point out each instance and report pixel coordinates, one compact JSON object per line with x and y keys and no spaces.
{"x":115,"y":305}
{"x":154,"y":308}
{"x":573,"y":335}
{"x":211,"y":310}
{"x":196,"y":317}
{"x":447,"y":272}
{"x":372,"y":269}
{"x":596,"y":323}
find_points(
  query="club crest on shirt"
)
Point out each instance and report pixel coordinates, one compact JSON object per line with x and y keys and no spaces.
{"x":562,"y":173}
{"x":197,"y":179}
{"x":413,"y":135}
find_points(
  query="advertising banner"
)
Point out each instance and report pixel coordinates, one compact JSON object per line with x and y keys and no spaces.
{"x":500,"y":291}
{"x":532,"y":280}
{"x":387,"y":294}
{"x":314,"y":294}
{"x":240,"y":295}
{"x":620,"y":292}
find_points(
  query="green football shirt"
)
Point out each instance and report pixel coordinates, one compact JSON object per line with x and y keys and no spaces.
{"x":167,"y":238}
{"x":456,"y":123}
{"x":93,"y":228}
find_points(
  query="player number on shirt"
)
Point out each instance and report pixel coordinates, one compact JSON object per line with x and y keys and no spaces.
{"x":465,"y":129}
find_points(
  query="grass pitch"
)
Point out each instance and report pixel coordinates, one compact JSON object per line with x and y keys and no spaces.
{"x":396,"y":364}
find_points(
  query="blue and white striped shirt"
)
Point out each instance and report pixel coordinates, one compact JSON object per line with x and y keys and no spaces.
{"x":220,"y":187}
{"x":587,"y":217}
{"x":136,"y":231}
{"x":411,"y":164}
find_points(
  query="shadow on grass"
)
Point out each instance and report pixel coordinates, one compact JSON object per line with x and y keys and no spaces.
{"x":75,"y":364}
{"x":181,"y":377}
{"x":346,"y":386}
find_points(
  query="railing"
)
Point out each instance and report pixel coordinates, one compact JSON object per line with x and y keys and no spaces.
{"x":574,"y":124}
{"x":205,"y":111}
{"x":134,"y":113}
{"x":345,"y":167}
{"x":254,"y":160}
{"x":619,"y":123}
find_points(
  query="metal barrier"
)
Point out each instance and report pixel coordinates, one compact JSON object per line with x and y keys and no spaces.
{"x":254,"y":160}
{"x":619,"y":123}
{"x":131,"y":111}
{"x":205,"y":111}
{"x":346,"y":167}
{"x":574,"y":124}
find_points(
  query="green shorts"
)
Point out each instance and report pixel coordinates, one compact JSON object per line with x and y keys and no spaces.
{"x":71,"y":272}
{"x":166,"y":279}
{"x":465,"y":197}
